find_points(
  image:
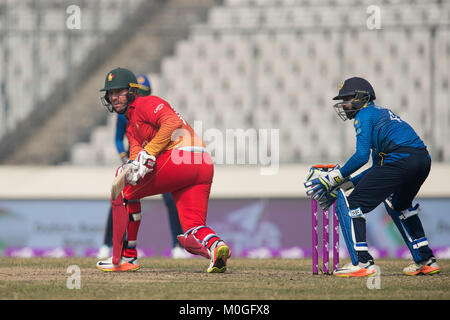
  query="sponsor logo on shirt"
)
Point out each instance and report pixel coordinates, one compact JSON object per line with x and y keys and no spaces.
{"x":159,"y":107}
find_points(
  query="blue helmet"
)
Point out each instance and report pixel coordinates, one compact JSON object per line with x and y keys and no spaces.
{"x":145,"y":88}
{"x":358,"y":91}
{"x":353,"y":86}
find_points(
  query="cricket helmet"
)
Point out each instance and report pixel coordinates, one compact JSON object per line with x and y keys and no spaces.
{"x":361,"y":92}
{"x":352,"y":86}
{"x":120,"y":78}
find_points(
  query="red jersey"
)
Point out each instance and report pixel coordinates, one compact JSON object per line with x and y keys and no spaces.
{"x":152,"y":125}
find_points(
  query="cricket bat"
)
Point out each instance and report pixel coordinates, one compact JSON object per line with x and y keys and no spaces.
{"x":119,"y":183}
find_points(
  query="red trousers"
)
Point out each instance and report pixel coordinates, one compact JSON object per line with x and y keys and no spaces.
{"x":188,"y":176}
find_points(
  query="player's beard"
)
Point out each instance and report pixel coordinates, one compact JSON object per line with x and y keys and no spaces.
{"x":350,"y":113}
{"x":122,"y":110}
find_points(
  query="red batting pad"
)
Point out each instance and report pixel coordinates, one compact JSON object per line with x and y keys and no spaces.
{"x":120,"y":224}
{"x":192,"y":245}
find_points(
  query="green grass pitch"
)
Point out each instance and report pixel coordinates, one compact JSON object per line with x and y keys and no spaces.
{"x":186,"y":279}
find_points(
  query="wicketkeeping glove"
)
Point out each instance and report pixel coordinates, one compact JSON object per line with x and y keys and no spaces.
{"x":320,"y":183}
{"x":328,"y":199}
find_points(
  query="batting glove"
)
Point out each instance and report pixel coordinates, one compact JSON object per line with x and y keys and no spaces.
{"x":125,"y":166}
{"x":143,"y":164}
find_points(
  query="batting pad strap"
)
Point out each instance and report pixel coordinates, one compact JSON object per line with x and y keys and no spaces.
{"x":208,"y":237}
{"x":131,"y":244}
{"x":405,"y":214}
{"x":399,"y":221}
{"x":193,"y":245}
{"x":194,"y":230}
{"x":189,"y":231}
{"x":361,"y":246}
{"x":418,"y":243}
{"x":135,"y":216}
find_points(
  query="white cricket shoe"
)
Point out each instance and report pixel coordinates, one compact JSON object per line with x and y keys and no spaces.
{"x":360,"y":270}
{"x":125,"y":264}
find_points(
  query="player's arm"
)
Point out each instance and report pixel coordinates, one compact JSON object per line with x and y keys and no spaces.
{"x":121,"y":127}
{"x":135,"y":146}
{"x":363,"y":128}
{"x":326,"y":181}
{"x":350,"y":182}
{"x":167,"y":121}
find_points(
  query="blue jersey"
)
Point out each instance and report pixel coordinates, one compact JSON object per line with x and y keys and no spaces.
{"x":381,"y":131}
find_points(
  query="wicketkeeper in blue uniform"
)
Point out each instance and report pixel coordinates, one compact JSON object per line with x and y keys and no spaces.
{"x":401,"y":163}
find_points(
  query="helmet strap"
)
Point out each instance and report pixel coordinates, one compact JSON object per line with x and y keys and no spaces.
{"x":131,"y":95}
{"x":358,"y":102}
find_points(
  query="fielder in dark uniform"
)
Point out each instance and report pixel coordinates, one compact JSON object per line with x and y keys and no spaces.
{"x":401,"y":163}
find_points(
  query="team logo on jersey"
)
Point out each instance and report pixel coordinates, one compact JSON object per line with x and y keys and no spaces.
{"x":110,"y":77}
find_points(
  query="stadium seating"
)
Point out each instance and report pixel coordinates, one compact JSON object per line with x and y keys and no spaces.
{"x":276,"y":64}
{"x":35,"y":43}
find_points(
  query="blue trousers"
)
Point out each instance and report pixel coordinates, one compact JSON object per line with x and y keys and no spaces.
{"x":402,"y":179}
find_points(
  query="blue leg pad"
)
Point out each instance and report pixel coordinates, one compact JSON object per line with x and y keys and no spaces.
{"x":413,"y":244}
{"x":345,"y":221}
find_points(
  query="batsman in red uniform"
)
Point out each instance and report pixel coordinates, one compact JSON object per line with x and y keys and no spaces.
{"x":165,"y":156}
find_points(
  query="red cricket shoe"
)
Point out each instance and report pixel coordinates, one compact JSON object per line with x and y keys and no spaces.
{"x":426,"y":268}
